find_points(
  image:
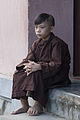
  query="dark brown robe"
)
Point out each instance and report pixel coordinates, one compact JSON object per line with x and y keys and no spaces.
{"x":54,"y":57}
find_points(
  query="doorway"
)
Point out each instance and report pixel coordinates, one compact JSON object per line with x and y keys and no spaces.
{"x":76,"y":65}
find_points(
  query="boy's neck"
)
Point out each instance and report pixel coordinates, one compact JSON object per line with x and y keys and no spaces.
{"x":45,"y":39}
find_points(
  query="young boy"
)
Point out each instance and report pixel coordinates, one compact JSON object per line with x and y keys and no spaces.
{"x":46,"y":66}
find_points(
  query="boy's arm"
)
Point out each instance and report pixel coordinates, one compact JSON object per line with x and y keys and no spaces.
{"x":51,"y":68}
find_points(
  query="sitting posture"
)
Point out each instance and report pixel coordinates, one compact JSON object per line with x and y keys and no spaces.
{"x":45,"y":67}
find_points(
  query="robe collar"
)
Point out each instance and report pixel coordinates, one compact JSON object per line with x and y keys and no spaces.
{"x":41,"y":42}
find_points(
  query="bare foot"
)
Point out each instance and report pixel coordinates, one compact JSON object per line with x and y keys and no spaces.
{"x":35,"y":110}
{"x":23,"y":109}
{"x":20,"y":110}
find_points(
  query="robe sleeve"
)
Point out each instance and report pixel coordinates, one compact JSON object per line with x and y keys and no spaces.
{"x":51,"y":68}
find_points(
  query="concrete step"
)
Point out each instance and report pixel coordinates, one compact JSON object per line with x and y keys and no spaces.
{"x":26,"y":117}
{"x":5,"y":104}
{"x":65,"y":102}
{"x":5,"y":87}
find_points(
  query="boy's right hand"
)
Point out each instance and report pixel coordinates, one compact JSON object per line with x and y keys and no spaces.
{"x":31,"y":67}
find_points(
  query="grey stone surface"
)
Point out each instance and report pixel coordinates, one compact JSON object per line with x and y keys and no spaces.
{"x":65,"y":102}
{"x":8,"y":105}
{"x":5,"y":87}
{"x":5,"y":105}
{"x":26,"y":117}
{"x":5,"y":97}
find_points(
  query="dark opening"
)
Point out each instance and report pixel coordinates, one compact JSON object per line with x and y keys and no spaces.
{"x":76,"y":65}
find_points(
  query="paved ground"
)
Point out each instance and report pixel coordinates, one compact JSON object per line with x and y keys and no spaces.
{"x":26,"y":117}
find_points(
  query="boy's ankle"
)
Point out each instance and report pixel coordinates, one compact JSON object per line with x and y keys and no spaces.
{"x":36,"y":102}
{"x":24,"y":102}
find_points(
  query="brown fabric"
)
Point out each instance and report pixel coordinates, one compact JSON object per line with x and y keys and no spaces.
{"x":54,"y":57}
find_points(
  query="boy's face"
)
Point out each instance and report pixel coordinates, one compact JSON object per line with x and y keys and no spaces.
{"x":43,"y":30}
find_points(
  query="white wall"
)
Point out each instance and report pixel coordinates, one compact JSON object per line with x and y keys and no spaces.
{"x":13,"y":34}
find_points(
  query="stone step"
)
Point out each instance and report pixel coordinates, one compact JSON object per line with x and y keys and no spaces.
{"x":5,"y":87}
{"x":65,"y":102}
{"x":26,"y":117}
{"x":7,"y":104}
{"x":4,"y":105}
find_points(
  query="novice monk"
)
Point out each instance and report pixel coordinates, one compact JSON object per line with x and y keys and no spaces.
{"x":46,"y":66}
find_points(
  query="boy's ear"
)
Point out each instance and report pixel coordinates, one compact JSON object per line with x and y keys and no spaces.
{"x":52,"y":28}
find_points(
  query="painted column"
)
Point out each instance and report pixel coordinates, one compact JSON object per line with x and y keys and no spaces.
{"x":13,"y":34}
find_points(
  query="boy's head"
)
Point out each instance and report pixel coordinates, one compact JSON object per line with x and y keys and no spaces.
{"x":44,"y":25}
{"x":44,"y":17}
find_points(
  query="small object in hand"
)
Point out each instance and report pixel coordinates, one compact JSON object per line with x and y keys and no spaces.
{"x":20,"y":67}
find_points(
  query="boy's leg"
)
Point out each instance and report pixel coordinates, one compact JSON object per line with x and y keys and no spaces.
{"x":34,"y":83}
{"x":36,"y":109}
{"x":24,"y":108}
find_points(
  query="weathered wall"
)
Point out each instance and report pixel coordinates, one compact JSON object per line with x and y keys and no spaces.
{"x":62,"y":10}
{"x":13,"y":34}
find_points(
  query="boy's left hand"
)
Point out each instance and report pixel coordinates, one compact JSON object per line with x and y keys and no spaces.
{"x":32,"y":67}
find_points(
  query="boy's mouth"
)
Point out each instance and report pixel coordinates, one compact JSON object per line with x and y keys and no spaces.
{"x":39,"y":35}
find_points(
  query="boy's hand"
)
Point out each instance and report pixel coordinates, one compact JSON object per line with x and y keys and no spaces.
{"x":31,"y":67}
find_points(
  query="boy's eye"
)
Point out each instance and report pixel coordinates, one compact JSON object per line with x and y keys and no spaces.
{"x":42,"y":27}
{"x":39,"y":27}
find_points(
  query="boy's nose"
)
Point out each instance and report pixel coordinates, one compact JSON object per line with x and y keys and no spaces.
{"x":38,"y":30}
